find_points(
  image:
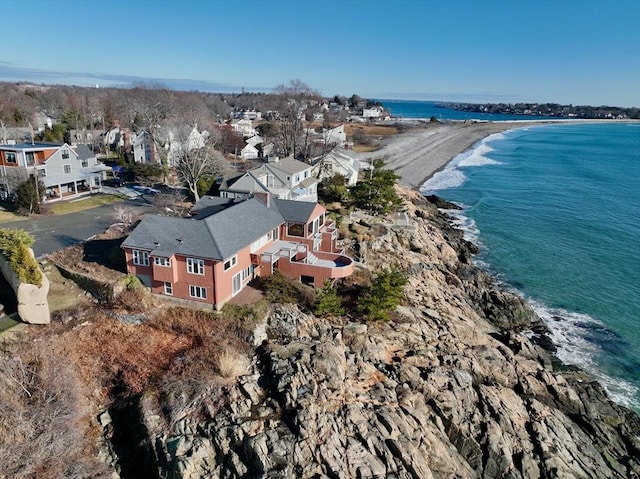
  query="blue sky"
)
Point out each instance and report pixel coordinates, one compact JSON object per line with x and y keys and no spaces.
{"x":564,"y":51}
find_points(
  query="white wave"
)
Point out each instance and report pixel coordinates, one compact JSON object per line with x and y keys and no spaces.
{"x":478,"y":157}
{"x":569,"y":331}
{"x":467,"y":225}
{"x":451,"y":176}
{"x":442,"y":180}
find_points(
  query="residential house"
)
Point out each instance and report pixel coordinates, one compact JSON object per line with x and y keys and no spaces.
{"x":372,"y":113}
{"x":244,"y":127}
{"x":144,"y":148}
{"x":285,"y":178}
{"x":65,"y":171}
{"x":337,"y":162}
{"x":178,"y":141}
{"x":334,"y":136}
{"x":249,"y":152}
{"x":211,"y":257}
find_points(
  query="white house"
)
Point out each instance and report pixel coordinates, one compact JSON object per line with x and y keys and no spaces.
{"x":244,"y":127}
{"x":249,"y":152}
{"x":286,"y":178}
{"x":337,"y":162}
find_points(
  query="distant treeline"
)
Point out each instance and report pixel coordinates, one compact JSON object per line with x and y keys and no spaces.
{"x":549,"y":109}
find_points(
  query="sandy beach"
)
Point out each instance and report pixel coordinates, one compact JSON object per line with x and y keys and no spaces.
{"x":417,"y":154}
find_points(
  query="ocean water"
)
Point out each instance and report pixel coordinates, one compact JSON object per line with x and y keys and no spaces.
{"x":427,"y":109}
{"x":555,"y":210}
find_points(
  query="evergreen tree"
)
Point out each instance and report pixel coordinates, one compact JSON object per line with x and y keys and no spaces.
{"x":383,"y":296}
{"x":376,"y":192}
{"x":328,"y":303}
{"x":29,"y":195}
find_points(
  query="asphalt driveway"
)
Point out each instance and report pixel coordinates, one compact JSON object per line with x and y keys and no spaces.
{"x":52,"y":233}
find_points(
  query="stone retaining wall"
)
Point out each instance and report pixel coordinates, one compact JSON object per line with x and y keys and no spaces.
{"x":102,"y":291}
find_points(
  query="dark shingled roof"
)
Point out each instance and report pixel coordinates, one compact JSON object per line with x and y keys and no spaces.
{"x":216,"y":236}
{"x":294,"y":211}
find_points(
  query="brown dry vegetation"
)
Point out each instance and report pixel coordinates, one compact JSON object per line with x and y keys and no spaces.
{"x":55,"y":380}
{"x":373,"y":130}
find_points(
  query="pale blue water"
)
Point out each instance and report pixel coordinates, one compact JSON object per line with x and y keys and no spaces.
{"x":556,"y":212}
{"x":427,"y":109}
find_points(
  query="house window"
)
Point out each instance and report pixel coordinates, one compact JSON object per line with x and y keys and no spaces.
{"x":67,"y":169}
{"x":247,"y":272}
{"x":85,"y":163}
{"x":10,"y":157}
{"x":42,"y":173}
{"x":30,"y":158}
{"x":237,"y":283}
{"x":65,"y":154}
{"x":168,"y":288}
{"x":231,"y":262}
{"x":166,"y":262}
{"x":295,"y":229}
{"x":195,"y":266}
{"x":141,"y":258}
{"x":199,"y":292}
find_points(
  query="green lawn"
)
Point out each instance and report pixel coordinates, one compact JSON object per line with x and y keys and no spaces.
{"x":64,"y":207}
{"x":7,"y":323}
{"x":84,"y":203}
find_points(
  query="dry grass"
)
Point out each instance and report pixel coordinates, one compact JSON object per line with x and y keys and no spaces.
{"x":232,"y":364}
{"x":365,"y":148}
{"x":371,"y":130}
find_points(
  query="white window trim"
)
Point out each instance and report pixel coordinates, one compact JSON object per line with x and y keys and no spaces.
{"x":64,"y":168}
{"x":233,"y":260}
{"x":140,"y":257}
{"x":168,"y":288}
{"x":195,"y":266}
{"x":198,"y":292}
{"x":164,"y":262}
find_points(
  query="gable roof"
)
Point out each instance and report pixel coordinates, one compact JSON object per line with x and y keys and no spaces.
{"x":288,"y":165}
{"x":295,"y":211}
{"x":217,"y":236}
{"x":84,"y":153}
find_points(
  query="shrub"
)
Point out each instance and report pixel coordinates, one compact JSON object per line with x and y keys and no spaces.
{"x":14,"y":246}
{"x":383,"y":296}
{"x":328,"y":303}
{"x":131,"y":282}
{"x":282,"y":289}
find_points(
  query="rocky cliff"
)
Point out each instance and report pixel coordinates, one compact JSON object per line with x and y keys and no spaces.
{"x":459,"y":384}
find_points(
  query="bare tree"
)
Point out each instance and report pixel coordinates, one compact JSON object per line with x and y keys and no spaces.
{"x":194,"y":157}
{"x":295,"y":101}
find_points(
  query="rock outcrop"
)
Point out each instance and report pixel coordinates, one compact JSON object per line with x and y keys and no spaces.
{"x":450,"y":388}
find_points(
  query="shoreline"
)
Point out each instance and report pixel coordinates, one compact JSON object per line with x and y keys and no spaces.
{"x":422,"y":151}
{"x":409,"y":155}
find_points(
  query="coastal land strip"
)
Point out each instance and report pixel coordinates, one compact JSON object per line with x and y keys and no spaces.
{"x":417,"y":154}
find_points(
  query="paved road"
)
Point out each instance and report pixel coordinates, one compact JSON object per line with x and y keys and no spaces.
{"x":52,"y":233}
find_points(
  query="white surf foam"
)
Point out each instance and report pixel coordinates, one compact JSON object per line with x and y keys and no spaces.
{"x":569,"y":332}
{"x":451,"y":176}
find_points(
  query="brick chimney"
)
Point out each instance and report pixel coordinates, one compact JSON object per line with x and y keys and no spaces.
{"x":264,"y":196}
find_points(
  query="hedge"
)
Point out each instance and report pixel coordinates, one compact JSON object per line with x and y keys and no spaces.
{"x":14,"y":246}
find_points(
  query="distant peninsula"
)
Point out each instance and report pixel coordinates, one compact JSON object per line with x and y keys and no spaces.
{"x":549,"y":110}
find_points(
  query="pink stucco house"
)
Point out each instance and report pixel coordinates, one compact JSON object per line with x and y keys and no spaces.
{"x":210,"y":257}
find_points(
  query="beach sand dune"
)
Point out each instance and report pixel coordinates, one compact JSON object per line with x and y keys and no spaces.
{"x":417,"y":154}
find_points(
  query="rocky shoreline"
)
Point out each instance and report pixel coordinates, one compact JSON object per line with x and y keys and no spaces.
{"x":462,"y":383}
